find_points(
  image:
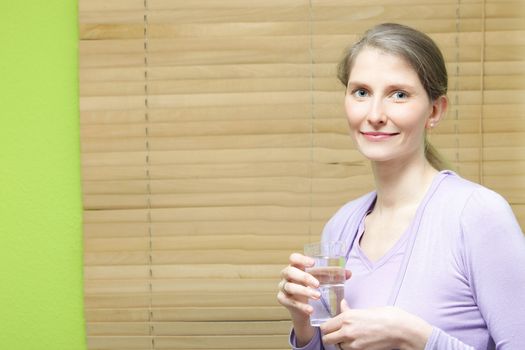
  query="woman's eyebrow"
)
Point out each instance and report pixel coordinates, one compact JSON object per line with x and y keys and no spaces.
{"x":393,"y":86}
{"x":354,"y":84}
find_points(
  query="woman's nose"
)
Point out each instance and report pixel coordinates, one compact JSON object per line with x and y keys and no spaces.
{"x":376,"y":113}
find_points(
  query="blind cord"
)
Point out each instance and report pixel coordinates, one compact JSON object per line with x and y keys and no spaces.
{"x":456,"y":85}
{"x":312,"y":118}
{"x":482,"y":88}
{"x":148,"y":177}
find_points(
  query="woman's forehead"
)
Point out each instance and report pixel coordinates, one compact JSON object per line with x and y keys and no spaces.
{"x":380,"y":60}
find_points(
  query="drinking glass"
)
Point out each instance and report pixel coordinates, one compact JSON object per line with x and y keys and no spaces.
{"x":329,"y":270}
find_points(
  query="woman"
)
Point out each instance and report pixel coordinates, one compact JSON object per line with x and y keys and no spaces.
{"x":437,"y":262}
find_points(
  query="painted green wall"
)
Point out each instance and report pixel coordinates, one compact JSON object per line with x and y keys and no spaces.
{"x":40,"y":197}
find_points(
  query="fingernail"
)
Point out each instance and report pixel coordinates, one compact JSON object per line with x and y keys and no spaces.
{"x":316,"y":295}
{"x":314,"y":282}
{"x":310,"y":261}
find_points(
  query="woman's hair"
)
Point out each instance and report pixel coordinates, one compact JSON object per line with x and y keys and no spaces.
{"x":419,"y":50}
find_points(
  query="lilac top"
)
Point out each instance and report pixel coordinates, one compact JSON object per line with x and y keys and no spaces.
{"x":460,"y":266}
{"x":361,"y":290}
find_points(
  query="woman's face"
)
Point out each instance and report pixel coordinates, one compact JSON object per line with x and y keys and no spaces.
{"x":387,"y":107}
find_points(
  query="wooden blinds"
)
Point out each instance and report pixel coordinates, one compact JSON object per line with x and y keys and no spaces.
{"x":214,"y":144}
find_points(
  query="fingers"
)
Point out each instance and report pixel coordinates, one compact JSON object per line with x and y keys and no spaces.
{"x":282,"y":286}
{"x":298,"y":290}
{"x":292,"y":303}
{"x":298,"y":276}
{"x":296,"y":285}
{"x":334,"y":324}
{"x":295,"y":272}
{"x":333,"y":337}
{"x":338,"y":333}
{"x":294,"y":296}
{"x":336,"y":330}
{"x":301,"y":261}
{"x":344,"y":306}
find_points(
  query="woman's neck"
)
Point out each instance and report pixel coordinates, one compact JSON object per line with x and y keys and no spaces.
{"x":401,"y":184}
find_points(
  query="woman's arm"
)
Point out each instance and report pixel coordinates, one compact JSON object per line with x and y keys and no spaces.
{"x":494,"y":256}
{"x":440,"y":340}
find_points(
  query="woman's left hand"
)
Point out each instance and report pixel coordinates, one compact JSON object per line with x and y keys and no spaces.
{"x":375,"y":329}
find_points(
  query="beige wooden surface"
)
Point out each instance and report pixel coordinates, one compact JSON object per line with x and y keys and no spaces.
{"x":214,"y":144}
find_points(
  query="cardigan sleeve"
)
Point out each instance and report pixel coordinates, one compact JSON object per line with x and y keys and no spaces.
{"x":314,"y":344}
{"x":439,"y":340}
{"x":494,"y":258}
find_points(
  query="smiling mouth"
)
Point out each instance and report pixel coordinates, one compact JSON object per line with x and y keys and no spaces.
{"x":374,"y":135}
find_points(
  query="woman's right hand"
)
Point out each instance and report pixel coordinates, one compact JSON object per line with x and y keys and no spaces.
{"x":296,"y":286}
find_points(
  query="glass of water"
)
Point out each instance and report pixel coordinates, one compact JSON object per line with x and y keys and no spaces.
{"x":329,"y":270}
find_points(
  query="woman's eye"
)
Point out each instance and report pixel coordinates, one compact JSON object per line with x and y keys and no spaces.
{"x":399,"y":95}
{"x":360,"y":93}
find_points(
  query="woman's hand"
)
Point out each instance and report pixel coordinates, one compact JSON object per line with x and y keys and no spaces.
{"x":296,"y":286}
{"x":375,"y":329}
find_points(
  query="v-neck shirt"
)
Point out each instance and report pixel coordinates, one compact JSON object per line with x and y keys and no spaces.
{"x":361,"y":291}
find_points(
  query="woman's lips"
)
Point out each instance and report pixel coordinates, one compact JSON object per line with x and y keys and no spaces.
{"x":378,"y":136}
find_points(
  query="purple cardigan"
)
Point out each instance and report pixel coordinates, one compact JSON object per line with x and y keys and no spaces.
{"x":463,"y":270}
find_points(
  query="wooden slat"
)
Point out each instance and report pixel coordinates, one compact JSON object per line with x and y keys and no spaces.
{"x":227,"y":256}
{"x":188,"y":314}
{"x":214,"y":242}
{"x":180,"y":285}
{"x":209,"y":71}
{"x":95,"y":301}
{"x":190,"y":328}
{"x":183,"y":271}
{"x":251,"y":127}
{"x":181,"y":342}
{"x":118,"y":228}
{"x":192,"y":100}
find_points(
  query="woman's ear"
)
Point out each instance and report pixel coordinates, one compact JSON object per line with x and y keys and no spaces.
{"x":439,"y":110}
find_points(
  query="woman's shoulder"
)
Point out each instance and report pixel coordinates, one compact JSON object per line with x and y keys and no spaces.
{"x":476,"y":205}
{"x":470,"y":195}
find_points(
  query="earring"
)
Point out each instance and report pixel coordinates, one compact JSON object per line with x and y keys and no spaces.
{"x":432,"y":125}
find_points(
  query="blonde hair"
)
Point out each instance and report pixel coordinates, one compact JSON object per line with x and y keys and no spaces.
{"x":419,"y":50}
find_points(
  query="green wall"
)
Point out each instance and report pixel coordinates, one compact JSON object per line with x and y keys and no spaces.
{"x":40,"y":196}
